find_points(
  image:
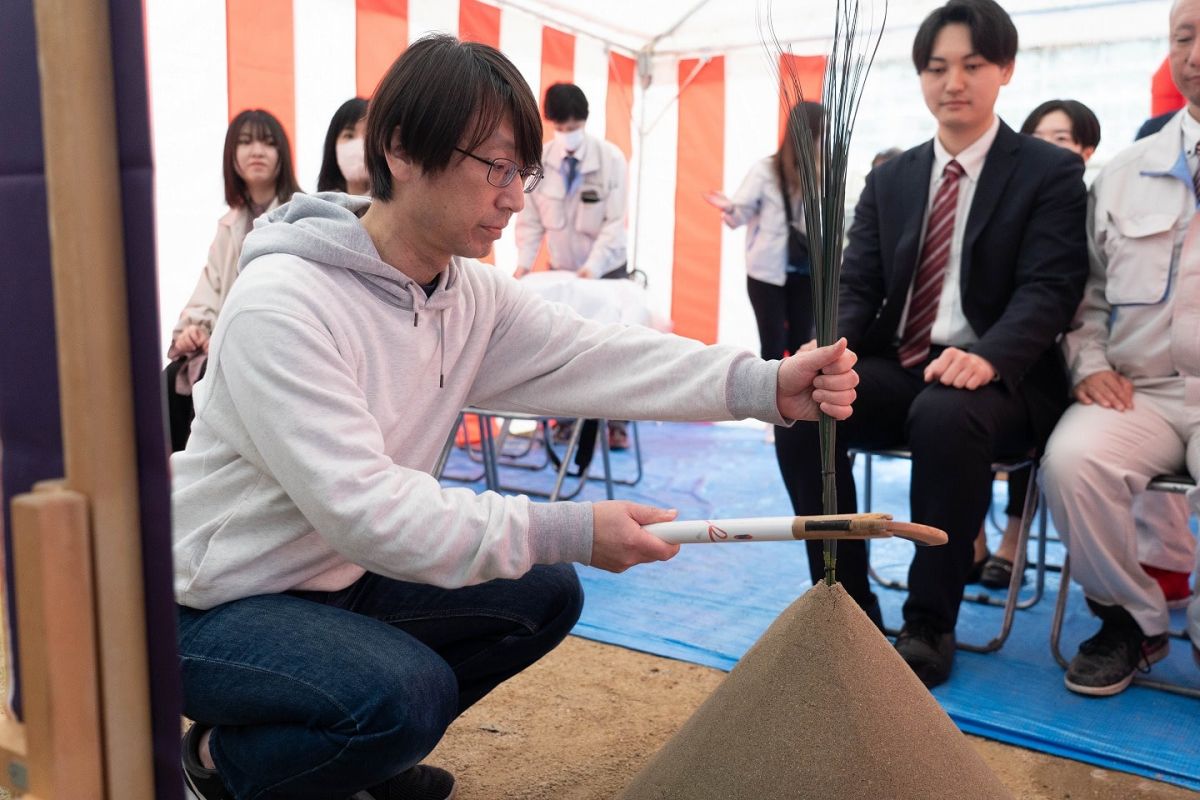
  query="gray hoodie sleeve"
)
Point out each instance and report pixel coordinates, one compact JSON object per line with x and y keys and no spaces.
{"x":544,"y":358}
{"x":310,"y":431}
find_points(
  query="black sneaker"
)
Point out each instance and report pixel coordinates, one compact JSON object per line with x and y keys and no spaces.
{"x":418,"y":783}
{"x":929,"y":653}
{"x":202,"y":783}
{"x":1106,"y":663}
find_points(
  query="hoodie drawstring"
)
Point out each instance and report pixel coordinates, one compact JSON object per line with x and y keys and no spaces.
{"x":442,"y":348}
{"x":441,"y":341}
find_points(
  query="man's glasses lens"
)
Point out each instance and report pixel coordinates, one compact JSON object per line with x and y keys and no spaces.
{"x":501,"y":172}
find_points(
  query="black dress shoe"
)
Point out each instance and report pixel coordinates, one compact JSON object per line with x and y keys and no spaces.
{"x":927,"y":652}
{"x":997,"y":573}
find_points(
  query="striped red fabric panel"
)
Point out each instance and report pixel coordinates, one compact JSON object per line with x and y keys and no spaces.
{"x":558,"y":65}
{"x":381,"y":35}
{"x":806,"y":72}
{"x":1164,"y":95}
{"x":261,"y":58}
{"x":619,"y":104}
{"x":696,"y":278}
{"x":479,"y":22}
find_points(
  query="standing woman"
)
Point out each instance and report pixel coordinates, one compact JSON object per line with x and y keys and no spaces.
{"x":777,"y":268}
{"x":258,"y":176}
{"x":343,"y":165}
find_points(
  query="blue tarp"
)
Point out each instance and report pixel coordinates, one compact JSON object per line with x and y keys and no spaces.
{"x":709,"y":604}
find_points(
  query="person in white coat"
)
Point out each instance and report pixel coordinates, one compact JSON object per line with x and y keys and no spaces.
{"x":578,"y":210}
{"x":1134,"y":355}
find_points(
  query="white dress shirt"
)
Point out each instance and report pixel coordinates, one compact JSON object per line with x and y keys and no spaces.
{"x":950,"y":326}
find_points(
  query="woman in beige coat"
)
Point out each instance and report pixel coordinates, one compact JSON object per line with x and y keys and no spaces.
{"x":258,"y":176}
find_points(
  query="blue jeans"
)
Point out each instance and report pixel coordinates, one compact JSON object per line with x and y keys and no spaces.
{"x":322,"y":694}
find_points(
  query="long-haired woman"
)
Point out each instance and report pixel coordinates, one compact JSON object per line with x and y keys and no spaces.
{"x":257,"y":165}
{"x":777,"y":269}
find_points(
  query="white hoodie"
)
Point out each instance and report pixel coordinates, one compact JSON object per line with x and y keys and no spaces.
{"x":333,"y":382}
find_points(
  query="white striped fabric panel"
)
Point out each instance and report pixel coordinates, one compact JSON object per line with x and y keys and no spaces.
{"x":652,"y":207}
{"x":325,"y":44}
{"x":189,"y":107}
{"x":591,"y":75}
{"x":521,"y":41}
{"x":429,"y":16}
{"x":751,"y":122}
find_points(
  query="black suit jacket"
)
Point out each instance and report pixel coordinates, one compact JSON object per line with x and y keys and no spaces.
{"x":1024,"y":261}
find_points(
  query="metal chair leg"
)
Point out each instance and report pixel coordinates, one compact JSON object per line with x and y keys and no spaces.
{"x":1011,"y":603}
{"x":447,"y":448}
{"x":637,"y":453}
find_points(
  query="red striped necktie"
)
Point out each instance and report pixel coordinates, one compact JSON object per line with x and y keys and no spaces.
{"x":931,"y":269}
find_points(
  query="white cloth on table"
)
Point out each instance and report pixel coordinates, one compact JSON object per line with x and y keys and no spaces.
{"x":601,"y":300}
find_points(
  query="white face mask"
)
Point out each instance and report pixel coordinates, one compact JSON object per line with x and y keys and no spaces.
{"x":570,"y":140}
{"x":351,"y":160}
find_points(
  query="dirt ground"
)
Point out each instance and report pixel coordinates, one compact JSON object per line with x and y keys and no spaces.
{"x":580,"y":723}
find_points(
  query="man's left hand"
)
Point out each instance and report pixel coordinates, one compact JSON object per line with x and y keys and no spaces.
{"x":821,"y":379}
{"x":960,"y":369}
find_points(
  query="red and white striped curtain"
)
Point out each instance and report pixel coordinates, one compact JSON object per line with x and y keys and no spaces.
{"x":703,"y":123}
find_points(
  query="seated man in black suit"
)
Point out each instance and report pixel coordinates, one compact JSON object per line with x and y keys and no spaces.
{"x":966,"y":260}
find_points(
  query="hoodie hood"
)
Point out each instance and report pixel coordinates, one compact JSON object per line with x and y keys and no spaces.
{"x":326,"y":228}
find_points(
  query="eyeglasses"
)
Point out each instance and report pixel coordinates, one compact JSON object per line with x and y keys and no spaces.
{"x":503,"y":170}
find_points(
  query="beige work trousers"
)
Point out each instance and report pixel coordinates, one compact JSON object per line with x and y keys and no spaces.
{"x":1097,"y":461}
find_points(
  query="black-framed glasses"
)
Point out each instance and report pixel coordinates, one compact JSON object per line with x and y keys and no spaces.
{"x":501,"y":172}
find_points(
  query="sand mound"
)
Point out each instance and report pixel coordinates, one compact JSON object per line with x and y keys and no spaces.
{"x":821,"y":707}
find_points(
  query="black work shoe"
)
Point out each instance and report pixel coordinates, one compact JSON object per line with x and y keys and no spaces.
{"x":202,"y":783}
{"x":997,"y":573}
{"x":418,"y":783}
{"x":1105,"y":663}
{"x":927,"y":652}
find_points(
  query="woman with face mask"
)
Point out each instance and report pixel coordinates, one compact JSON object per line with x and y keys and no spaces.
{"x":258,"y":176}
{"x":343,"y":166}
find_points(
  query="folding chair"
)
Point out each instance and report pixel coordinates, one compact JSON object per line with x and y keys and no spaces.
{"x":1175,"y":484}
{"x":493,"y":456}
{"x":1012,"y":599}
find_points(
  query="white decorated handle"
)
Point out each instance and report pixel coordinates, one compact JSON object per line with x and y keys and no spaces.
{"x":783,"y":529}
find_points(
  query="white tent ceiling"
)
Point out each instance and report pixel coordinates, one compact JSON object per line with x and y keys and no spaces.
{"x":685,"y":27}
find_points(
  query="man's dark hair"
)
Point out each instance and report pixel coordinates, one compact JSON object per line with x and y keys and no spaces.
{"x":565,"y":102}
{"x":993,"y":34}
{"x":1085,"y":128}
{"x":262,"y":126}
{"x":330,"y":178}
{"x":442,"y":94}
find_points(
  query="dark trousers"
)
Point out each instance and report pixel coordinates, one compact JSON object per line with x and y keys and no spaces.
{"x":954,"y":435}
{"x":784,"y":314}
{"x":180,"y":411}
